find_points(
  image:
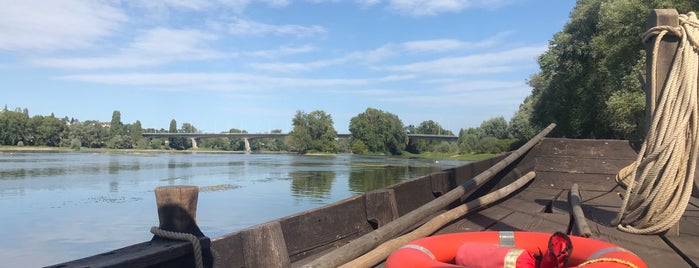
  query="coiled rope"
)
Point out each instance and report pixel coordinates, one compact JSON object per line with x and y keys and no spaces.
{"x":659,"y":183}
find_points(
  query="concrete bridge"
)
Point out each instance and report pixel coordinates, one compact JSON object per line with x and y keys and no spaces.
{"x":196,"y":137}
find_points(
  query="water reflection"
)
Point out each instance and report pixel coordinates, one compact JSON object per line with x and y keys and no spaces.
{"x":315,"y":184}
{"x":367,"y":179}
{"x":103,"y":192}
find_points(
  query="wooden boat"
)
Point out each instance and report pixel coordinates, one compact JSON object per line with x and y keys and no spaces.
{"x":588,"y":167}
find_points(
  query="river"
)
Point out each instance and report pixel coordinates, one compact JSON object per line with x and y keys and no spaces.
{"x":59,"y":206}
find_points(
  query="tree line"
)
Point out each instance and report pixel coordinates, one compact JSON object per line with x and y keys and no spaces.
{"x":589,"y":80}
{"x":372,"y":132}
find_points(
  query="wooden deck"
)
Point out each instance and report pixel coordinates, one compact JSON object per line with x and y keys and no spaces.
{"x":592,"y":164}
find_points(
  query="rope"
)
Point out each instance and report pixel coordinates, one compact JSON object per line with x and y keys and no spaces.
{"x":614,"y":260}
{"x":659,"y":183}
{"x":184,"y":237}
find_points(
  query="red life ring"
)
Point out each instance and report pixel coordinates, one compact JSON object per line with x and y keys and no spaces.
{"x":440,"y":250}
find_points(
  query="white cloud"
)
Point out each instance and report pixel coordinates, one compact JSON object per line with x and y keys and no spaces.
{"x":282,"y":51}
{"x":176,"y":4}
{"x":284,"y":67}
{"x":428,"y":7}
{"x":249,"y":27}
{"x":443,"y":45}
{"x":496,"y":62}
{"x":154,"y":47}
{"x":219,"y":81}
{"x":433,"y":7}
{"x":36,"y":25}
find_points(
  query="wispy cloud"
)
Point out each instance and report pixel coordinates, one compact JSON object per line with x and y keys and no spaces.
{"x":154,"y":47}
{"x":285,"y":67}
{"x":282,"y":51}
{"x":443,"y":45}
{"x":36,"y":25}
{"x":227,"y":81}
{"x":253,"y":28}
{"x":495,"y":62}
{"x":434,"y":7}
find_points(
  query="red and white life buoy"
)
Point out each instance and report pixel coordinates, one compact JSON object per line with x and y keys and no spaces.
{"x":440,"y":250}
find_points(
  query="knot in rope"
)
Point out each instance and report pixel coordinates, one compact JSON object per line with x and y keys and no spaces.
{"x":659,"y":183}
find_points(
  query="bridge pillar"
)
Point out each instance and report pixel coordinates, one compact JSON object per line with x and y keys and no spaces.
{"x":195,"y":143}
{"x":247,"y":145}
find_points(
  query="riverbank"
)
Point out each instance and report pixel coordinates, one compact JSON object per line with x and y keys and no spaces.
{"x":46,"y":149}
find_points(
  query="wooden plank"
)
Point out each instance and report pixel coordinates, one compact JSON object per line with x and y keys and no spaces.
{"x":559,"y":180}
{"x":608,"y":149}
{"x":230,"y":250}
{"x":539,"y":222}
{"x":317,"y":229}
{"x":477,"y":221}
{"x":267,"y":238}
{"x":413,"y":194}
{"x":581,"y":165}
{"x":442,"y":182}
{"x":158,"y":253}
{"x":651,"y":248}
{"x":381,"y":207}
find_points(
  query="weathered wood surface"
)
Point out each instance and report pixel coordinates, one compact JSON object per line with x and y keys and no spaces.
{"x":542,"y":207}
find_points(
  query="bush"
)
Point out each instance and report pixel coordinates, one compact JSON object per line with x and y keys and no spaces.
{"x":75,"y":144}
{"x":358,"y":147}
{"x":20,"y":144}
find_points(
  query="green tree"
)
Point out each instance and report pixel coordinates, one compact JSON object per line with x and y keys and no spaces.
{"x":90,"y":133}
{"x":521,"y":128}
{"x":312,"y":132}
{"x":177,"y":143}
{"x":495,"y":127}
{"x":116,"y":127}
{"x":592,"y":64}
{"x":381,"y":132}
{"x":47,"y":130}
{"x":469,"y":140}
{"x":14,"y":126}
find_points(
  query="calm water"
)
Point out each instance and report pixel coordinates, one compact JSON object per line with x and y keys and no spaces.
{"x":61,"y":206}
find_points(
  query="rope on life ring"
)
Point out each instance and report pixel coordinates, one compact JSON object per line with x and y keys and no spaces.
{"x":614,"y":260}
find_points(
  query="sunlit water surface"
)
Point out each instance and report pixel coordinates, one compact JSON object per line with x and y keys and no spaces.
{"x":61,"y":206}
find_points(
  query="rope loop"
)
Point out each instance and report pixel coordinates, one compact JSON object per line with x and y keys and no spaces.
{"x":198,"y":262}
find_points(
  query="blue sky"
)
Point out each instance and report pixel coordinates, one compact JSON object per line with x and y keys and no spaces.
{"x":246,"y":64}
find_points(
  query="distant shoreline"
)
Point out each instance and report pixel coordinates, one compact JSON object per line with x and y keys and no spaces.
{"x":46,"y":149}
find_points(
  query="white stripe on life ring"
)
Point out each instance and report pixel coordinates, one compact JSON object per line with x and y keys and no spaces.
{"x":507,"y":238}
{"x":421,"y":248}
{"x":603,"y":251}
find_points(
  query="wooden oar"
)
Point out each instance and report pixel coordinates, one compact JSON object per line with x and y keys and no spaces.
{"x":381,"y":252}
{"x":361,"y":245}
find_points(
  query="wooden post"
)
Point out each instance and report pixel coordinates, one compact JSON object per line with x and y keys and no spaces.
{"x":177,"y":209}
{"x":664,"y":60}
{"x":666,"y":52}
{"x":177,"y":212}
